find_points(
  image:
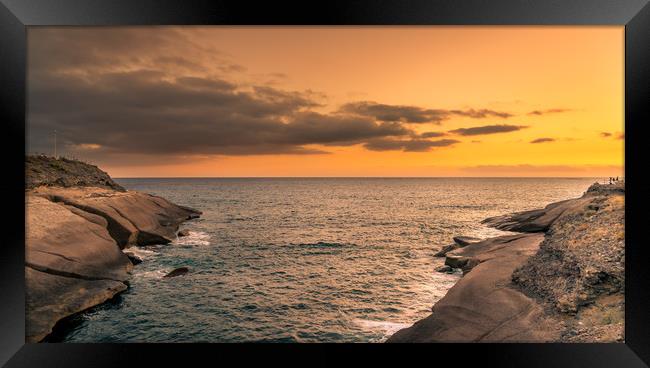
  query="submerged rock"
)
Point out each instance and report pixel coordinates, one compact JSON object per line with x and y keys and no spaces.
{"x":178,"y":272}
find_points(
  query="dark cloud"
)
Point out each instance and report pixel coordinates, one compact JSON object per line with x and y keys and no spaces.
{"x":140,"y":112}
{"x":433,"y":134}
{"x":413,"y":114}
{"x":543,"y":140}
{"x":122,"y":94}
{"x":482,"y":113}
{"x":488,"y":129}
{"x":548,"y":111}
{"x":413,"y":145}
{"x":612,"y":135}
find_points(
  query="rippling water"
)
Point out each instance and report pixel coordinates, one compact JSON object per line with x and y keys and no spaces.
{"x":304,"y":260}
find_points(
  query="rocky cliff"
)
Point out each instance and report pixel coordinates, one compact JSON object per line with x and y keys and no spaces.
{"x":75,"y":235}
{"x":561,"y":279}
{"x":41,"y":170}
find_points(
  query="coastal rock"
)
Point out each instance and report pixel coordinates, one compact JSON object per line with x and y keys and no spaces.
{"x":177,"y":272}
{"x":72,"y":263}
{"x":183,"y":232}
{"x":582,"y":259}
{"x":445,"y":269}
{"x":562,"y":282}
{"x":78,"y":221}
{"x":43,"y":170}
{"x":538,"y":220}
{"x":482,"y":306}
{"x":133,"y":218}
{"x":446,"y":249}
{"x":50,"y":298}
{"x":459,"y":242}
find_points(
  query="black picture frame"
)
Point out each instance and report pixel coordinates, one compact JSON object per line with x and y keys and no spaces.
{"x":16,"y":15}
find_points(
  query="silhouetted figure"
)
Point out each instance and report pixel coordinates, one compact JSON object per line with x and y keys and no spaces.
{"x":610,"y":180}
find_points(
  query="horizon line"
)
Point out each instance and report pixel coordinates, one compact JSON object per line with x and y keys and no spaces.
{"x":361,"y":177}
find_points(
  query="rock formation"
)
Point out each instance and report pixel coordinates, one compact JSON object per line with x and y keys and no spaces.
{"x":74,"y":241}
{"x":560,"y":280}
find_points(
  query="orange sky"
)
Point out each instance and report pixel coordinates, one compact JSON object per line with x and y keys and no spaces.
{"x":573,"y":75}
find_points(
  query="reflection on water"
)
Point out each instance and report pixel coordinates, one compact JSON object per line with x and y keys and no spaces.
{"x":304,"y":260}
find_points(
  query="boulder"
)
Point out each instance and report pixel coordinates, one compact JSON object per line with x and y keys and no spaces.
{"x":178,"y":272}
{"x":183,"y":232}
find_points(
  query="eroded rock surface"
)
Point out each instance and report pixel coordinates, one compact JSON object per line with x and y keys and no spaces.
{"x":483,"y":306}
{"x":74,"y":242}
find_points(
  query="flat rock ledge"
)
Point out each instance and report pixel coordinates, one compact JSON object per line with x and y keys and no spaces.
{"x":559,"y":280}
{"x":483,"y":306}
{"x":74,"y":242}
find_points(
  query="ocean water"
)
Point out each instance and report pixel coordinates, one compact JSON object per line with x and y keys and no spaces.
{"x":304,"y":259}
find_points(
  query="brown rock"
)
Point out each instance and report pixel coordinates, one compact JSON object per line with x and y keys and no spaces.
{"x":72,"y":264}
{"x":481,"y":306}
{"x":178,"y":272}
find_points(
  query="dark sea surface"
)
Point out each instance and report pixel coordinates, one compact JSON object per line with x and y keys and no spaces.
{"x":304,"y":260}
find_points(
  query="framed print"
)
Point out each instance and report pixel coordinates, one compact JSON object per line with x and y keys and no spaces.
{"x":444,"y":178}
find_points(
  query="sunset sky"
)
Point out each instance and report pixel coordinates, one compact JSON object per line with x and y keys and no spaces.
{"x":335,"y":101}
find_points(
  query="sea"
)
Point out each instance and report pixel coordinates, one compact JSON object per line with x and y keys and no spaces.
{"x":304,"y":259}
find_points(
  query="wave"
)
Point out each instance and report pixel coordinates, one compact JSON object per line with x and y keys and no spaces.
{"x":387,"y":328}
{"x":195,"y":238}
{"x":140,"y":252}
